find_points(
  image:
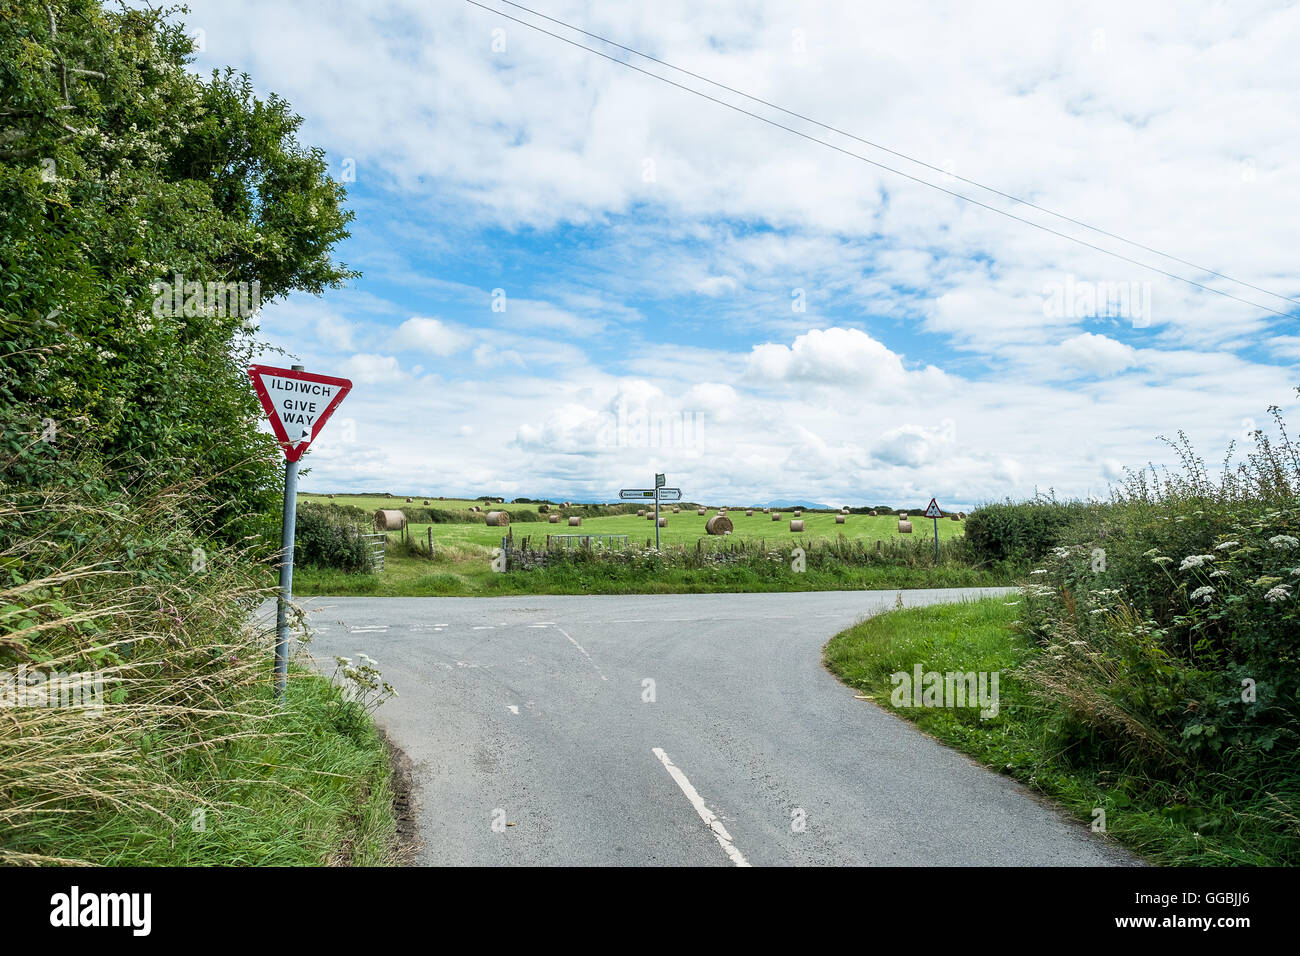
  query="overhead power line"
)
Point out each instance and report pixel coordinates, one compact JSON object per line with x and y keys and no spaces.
{"x":883,"y":166}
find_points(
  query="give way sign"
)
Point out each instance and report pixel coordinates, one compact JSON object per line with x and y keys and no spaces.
{"x":297,"y":403}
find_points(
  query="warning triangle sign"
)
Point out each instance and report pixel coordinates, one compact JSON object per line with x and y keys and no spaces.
{"x":932,"y":510}
{"x":298,"y":404}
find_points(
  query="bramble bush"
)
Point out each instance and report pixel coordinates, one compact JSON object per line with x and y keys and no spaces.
{"x":1171,"y":636}
{"x":1020,"y":531}
{"x":330,"y":538}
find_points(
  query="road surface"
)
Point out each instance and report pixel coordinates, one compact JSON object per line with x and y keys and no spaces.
{"x":695,"y":730}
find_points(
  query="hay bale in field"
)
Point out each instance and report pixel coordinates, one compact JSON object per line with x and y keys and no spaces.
{"x":954,"y":517}
{"x":663,"y":522}
{"x":961,"y":515}
{"x":796,"y":525}
{"x":408,"y":501}
{"x":844,"y":510}
{"x":776,"y":516}
{"x":331,"y":497}
{"x":749,"y":512}
{"x":839,"y":519}
{"x":873,"y":514}
{"x":719,"y":524}
{"x":497,"y":519}
{"x":677,"y":511}
{"x":904,"y":527}
{"x":649,"y":516}
{"x":426,"y":502}
{"x":575,"y":521}
{"x":640,"y":512}
{"x":389,"y":520}
{"x":554,"y":519}
{"x":701,"y":511}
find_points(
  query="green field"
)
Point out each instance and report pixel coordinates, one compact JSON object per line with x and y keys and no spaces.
{"x":462,"y":555}
{"x":682,"y":529}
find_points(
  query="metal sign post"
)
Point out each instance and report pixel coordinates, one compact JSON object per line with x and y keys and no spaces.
{"x":659,"y":483}
{"x":658,"y":493}
{"x":298,"y":403}
{"x":933,"y":511}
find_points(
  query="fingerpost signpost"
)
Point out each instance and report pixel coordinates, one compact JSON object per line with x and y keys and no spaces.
{"x":298,"y":404}
{"x":658,"y":493}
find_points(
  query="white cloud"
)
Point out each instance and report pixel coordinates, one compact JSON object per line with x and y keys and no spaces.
{"x":368,"y":369}
{"x":432,"y":336}
{"x":1096,"y":354}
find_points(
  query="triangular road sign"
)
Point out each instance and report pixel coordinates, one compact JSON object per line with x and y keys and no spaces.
{"x":932,"y":510}
{"x":297,"y":403}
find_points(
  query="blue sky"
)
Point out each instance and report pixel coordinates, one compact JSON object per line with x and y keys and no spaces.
{"x":791,"y":322}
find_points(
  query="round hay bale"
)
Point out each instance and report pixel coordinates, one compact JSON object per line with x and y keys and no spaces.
{"x":497,"y":519}
{"x":554,"y":519}
{"x":776,"y":516}
{"x":477,"y":508}
{"x":649,"y":516}
{"x":640,"y":512}
{"x":796,"y":525}
{"x":663,"y":522}
{"x":839,"y":519}
{"x":408,"y":501}
{"x":749,"y":512}
{"x":331,"y":497}
{"x":426,"y":502}
{"x":873,"y":514}
{"x":844,"y":510}
{"x":904,"y":527}
{"x":389,"y":520}
{"x":954,"y":517}
{"x":677,"y":511}
{"x":701,"y":511}
{"x":719,"y":524}
{"x":960,"y":514}
{"x":798,"y":514}
{"x":575,"y":521}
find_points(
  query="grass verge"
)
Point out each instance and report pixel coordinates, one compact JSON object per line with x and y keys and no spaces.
{"x":1194,"y":821}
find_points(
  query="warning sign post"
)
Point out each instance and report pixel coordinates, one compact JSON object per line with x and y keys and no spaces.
{"x":932,"y":510}
{"x":298,"y":404}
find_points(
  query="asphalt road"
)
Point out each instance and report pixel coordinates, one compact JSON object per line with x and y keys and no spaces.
{"x":697,"y":730}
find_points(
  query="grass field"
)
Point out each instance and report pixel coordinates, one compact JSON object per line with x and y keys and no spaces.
{"x":1194,"y":823}
{"x":462,"y":554}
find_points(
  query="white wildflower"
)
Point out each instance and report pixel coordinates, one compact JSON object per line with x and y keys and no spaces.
{"x":1039,"y":571}
{"x":1279,"y":593}
{"x":1218,"y":574}
{"x":1203,"y":594}
{"x":1162,"y":560}
{"x":1283,"y":541}
{"x":1195,"y":561}
{"x":1226,"y":545}
{"x":1151,"y":554}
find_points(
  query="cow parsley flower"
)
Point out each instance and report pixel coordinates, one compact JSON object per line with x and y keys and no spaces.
{"x":1226,"y":545}
{"x":1162,"y":560}
{"x":1203,"y":594}
{"x":1284,"y":541}
{"x":1279,"y":593}
{"x":1195,"y":561}
{"x":1218,"y":574}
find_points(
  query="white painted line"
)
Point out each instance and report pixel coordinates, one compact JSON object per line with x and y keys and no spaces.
{"x":708,"y":816}
{"x":584,"y":651}
{"x":513,"y":708}
{"x":538,"y":625}
{"x":483,"y":627}
{"x":364,"y":630}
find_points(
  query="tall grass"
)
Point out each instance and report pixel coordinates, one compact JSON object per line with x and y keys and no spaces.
{"x":117,"y":583}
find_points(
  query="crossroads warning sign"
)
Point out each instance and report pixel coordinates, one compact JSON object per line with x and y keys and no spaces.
{"x":298,"y":404}
{"x":932,"y":510}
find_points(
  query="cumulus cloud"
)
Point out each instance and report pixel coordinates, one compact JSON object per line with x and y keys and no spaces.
{"x":1096,"y":354}
{"x":432,"y":336}
{"x":368,"y":369}
{"x":828,"y":356}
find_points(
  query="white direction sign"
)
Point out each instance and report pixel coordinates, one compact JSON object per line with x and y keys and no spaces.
{"x":664,"y":494}
{"x":932,"y":510}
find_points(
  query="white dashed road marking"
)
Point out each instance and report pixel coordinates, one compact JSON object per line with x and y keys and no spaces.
{"x":708,"y":816}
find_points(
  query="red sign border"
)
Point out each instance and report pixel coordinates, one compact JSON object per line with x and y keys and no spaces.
{"x":294,"y":452}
